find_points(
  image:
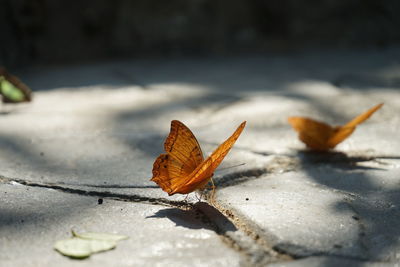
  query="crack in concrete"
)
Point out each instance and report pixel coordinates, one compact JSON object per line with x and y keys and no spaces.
{"x":242,"y":242}
{"x":345,"y":193}
{"x":252,"y":253}
{"x":259,"y":250}
{"x":103,"y":194}
{"x":301,"y":252}
{"x":261,"y":239}
{"x":223,"y":227}
{"x":278,"y":252}
{"x":114,"y":186}
{"x":279,"y":164}
{"x":238,"y":177}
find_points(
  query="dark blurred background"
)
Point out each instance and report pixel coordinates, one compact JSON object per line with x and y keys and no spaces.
{"x":60,"y":31}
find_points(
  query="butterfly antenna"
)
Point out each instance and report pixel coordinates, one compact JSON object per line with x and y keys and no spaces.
{"x":233,"y":166}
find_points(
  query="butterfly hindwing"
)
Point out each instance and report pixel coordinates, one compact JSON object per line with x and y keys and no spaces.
{"x":160,"y":172}
{"x":340,"y":134}
{"x":313,"y":133}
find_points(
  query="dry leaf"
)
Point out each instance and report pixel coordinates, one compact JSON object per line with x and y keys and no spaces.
{"x":83,"y":245}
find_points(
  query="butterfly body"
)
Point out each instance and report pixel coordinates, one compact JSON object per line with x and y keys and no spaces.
{"x":183,"y":169}
{"x":321,"y":136}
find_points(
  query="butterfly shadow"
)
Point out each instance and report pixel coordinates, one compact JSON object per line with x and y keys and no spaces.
{"x":339,"y":159}
{"x":200,"y":216}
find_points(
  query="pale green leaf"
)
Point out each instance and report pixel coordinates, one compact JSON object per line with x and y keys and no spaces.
{"x":83,"y":245}
{"x":100,"y":236}
{"x":83,"y":248}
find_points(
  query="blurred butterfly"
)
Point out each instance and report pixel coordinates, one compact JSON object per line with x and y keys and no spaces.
{"x":182,"y":169}
{"x":321,"y":136}
{"x":12,"y":89}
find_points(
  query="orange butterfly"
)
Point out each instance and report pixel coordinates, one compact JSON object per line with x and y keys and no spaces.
{"x":183,"y":169}
{"x":321,"y":136}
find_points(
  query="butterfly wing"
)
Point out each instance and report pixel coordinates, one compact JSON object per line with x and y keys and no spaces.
{"x":361,"y":118}
{"x":182,"y":146}
{"x":313,"y":133}
{"x":160,"y":172}
{"x":342,"y":132}
{"x":202,"y":174}
{"x":182,"y":158}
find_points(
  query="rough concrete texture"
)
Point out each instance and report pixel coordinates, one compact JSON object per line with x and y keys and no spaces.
{"x":94,"y":131}
{"x":33,"y":218}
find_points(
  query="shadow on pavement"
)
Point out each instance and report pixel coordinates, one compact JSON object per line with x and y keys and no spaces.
{"x":376,"y":208}
{"x":191,"y":218}
{"x":339,"y":159}
{"x":200,"y":216}
{"x":337,"y":67}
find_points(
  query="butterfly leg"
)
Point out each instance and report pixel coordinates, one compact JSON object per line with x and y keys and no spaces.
{"x":185,"y":199}
{"x":212,"y":197}
{"x":198,"y":197}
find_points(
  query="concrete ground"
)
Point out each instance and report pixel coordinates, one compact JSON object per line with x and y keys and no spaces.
{"x":93,"y":132}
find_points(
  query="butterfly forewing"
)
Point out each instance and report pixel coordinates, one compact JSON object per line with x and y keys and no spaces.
{"x":361,"y":118}
{"x":342,"y":132}
{"x":199,"y":177}
{"x":183,"y":149}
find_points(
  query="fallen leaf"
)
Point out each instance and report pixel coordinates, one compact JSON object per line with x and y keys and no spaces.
{"x":100,"y":236}
{"x":83,"y":245}
{"x":82,"y":248}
